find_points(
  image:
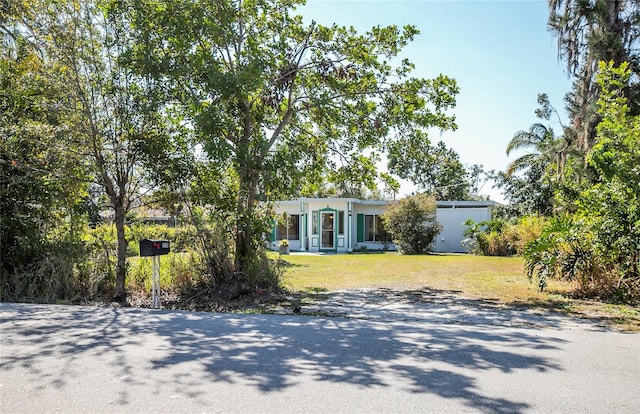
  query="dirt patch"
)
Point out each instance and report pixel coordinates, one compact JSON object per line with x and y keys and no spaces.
{"x":209,"y":300}
{"x":425,"y":304}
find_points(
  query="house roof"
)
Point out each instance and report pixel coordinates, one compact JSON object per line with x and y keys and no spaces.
{"x":466,"y":204}
{"x":441,"y":204}
{"x":347,"y":199}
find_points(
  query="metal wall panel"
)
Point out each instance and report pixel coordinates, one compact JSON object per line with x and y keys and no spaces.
{"x":452,"y":221}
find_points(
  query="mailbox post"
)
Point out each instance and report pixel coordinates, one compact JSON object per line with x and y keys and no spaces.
{"x":154,"y":249}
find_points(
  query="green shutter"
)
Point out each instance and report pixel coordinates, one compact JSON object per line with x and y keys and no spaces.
{"x":315,"y":217}
{"x":273,"y":233}
{"x":360,"y":228}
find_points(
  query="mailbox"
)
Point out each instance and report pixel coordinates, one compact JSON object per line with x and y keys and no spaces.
{"x":153,"y":247}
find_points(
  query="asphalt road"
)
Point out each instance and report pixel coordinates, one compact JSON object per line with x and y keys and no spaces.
{"x":108,"y":360}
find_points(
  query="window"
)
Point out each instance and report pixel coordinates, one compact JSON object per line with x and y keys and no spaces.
{"x":289,"y":230}
{"x":340,"y":222}
{"x":374,"y":230}
{"x":314,"y":222}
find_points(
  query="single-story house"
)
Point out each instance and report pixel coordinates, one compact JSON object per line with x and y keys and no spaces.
{"x":343,"y":225}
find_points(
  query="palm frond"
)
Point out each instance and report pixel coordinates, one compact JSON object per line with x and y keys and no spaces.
{"x":532,"y":138}
{"x":521,"y":163}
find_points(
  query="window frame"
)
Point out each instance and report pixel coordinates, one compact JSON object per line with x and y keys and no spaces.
{"x":289,"y":230}
{"x":374,"y":230}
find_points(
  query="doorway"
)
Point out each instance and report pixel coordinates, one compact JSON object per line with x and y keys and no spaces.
{"x":327,"y":239}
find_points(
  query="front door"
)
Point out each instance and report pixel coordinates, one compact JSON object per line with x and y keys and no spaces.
{"x":328,"y":219}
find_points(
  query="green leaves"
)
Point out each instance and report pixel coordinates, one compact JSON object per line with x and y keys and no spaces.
{"x":598,"y":244}
{"x":412,"y":223}
{"x":43,"y":180}
{"x":279,"y":105}
{"x":616,"y":155}
{"x":435,"y":169}
{"x":263,"y":70}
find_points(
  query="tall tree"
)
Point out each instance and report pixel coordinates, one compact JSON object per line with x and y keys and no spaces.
{"x":532,"y":178}
{"x":530,"y":192}
{"x":590,"y":31}
{"x":42,"y":184}
{"x":273,"y":100}
{"x":436,"y":170}
{"x":612,"y":205}
{"x":597,"y":245}
{"x":110,"y":106}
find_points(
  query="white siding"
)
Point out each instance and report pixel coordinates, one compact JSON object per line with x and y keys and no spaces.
{"x":452,"y":221}
{"x":451,"y":214}
{"x":341,"y":244}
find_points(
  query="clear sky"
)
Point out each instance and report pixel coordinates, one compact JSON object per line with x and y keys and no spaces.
{"x":500,"y":53}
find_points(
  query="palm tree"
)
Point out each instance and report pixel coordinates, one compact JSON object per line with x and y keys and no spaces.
{"x":590,"y":31}
{"x":545,"y":149}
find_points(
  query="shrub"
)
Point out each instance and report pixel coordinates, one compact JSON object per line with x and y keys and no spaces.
{"x":568,"y":249}
{"x":562,"y":252}
{"x":500,"y":237}
{"x":215,"y":245}
{"x":412,"y":223}
{"x":101,"y":245}
{"x":43,"y":264}
{"x":55,"y":274}
{"x":525,"y":230}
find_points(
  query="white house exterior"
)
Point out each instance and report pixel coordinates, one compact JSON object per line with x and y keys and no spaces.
{"x":452,"y":215}
{"x":343,"y":225}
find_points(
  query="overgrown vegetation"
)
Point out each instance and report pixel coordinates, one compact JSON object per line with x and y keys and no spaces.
{"x":140,"y":104}
{"x":583,"y":178}
{"x":502,"y":237}
{"x":598,"y":245}
{"x":143,"y":105}
{"x":592,"y":235}
{"x":43,"y":188}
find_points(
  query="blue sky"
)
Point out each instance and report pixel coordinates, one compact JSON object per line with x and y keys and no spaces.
{"x":500,"y":53}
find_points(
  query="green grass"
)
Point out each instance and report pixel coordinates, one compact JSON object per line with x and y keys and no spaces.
{"x":474,"y":276}
{"x":500,"y":279}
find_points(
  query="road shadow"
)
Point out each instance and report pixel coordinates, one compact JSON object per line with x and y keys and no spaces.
{"x":269,"y":352}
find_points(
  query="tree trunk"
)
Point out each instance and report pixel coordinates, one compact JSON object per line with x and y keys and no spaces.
{"x":121,"y":266}
{"x":245,"y":231}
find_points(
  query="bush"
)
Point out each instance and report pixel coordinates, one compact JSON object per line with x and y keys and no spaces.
{"x":101,"y":246}
{"x":412,"y":223}
{"x":215,"y":244}
{"x":525,"y":230}
{"x":42,"y":264}
{"x":501,"y":237}
{"x":54,"y":274}
{"x":568,"y":250}
{"x":561,"y":252}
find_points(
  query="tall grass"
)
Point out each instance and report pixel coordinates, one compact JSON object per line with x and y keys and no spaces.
{"x":500,"y":237}
{"x":178,"y":271}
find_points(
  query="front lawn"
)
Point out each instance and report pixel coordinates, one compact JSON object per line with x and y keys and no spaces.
{"x":486,"y":277}
{"x":500,"y":279}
